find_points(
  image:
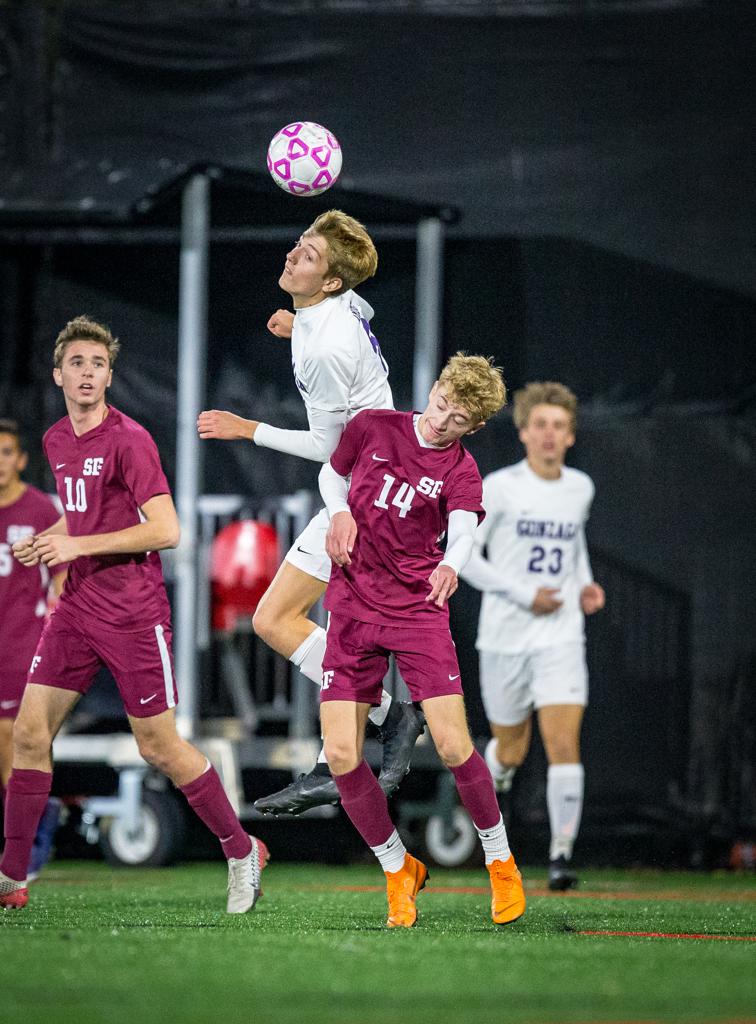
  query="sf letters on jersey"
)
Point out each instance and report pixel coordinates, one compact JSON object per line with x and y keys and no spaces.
{"x":92,"y":467}
{"x":430,"y":487}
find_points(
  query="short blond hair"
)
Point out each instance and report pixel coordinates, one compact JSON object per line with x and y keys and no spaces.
{"x":543,"y":392}
{"x":82,"y":328}
{"x":351,"y":253}
{"x":475,"y":383}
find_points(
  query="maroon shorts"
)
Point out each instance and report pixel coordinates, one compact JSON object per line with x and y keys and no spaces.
{"x":17,"y":657}
{"x":12,"y":683}
{"x":70,"y":654}
{"x":357,"y":653}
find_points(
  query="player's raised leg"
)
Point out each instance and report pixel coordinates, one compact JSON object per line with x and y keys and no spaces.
{"x":447,"y":722}
{"x":43,"y":711}
{"x":559,"y":725}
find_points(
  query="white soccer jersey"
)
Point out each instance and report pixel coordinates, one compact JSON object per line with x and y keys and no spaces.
{"x":339,"y":370}
{"x":534,"y":535}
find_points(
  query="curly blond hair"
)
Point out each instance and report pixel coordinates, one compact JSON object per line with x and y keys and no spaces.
{"x":475,"y":383}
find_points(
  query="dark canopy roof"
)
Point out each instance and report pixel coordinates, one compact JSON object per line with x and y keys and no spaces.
{"x":239,"y":197}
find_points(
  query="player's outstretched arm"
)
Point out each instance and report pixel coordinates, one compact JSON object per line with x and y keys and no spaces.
{"x":225,"y":426}
{"x":160,"y":530}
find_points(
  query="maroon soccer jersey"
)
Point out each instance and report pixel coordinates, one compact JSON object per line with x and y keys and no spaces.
{"x":400,"y":495}
{"x":23,"y":589}
{"x":102,"y":479}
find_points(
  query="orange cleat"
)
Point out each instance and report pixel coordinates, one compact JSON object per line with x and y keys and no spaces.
{"x":402,"y":887}
{"x":507,"y":893}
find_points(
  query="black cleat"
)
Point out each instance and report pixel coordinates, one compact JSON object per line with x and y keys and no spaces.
{"x":560,"y":876}
{"x":311,"y":790}
{"x":403,"y":724}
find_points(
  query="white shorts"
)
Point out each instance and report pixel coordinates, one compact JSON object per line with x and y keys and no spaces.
{"x":308,"y":551}
{"x":511,"y":685}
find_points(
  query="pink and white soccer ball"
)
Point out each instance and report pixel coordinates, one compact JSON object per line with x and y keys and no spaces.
{"x":304,"y":158}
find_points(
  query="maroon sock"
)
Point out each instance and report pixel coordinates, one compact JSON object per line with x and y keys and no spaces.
{"x":365,"y":803}
{"x":25,"y":798}
{"x":476,"y":790}
{"x":209,"y":802}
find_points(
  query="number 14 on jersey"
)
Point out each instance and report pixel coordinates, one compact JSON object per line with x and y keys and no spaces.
{"x":405,"y":493}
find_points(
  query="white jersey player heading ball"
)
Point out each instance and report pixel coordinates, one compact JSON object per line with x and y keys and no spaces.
{"x":538,"y":587}
{"x":339,"y":370}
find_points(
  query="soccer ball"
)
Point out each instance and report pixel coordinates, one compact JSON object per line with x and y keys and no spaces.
{"x":304,"y":158}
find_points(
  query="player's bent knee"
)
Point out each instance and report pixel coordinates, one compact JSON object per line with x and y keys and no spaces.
{"x":155,"y":756}
{"x":261,"y":624}
{"x":30,"y":739}
{"x":341,"y":757}
{"x":267,"y":627}
{"x":453,"y":750}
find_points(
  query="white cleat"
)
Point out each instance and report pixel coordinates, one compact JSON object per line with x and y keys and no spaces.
{"x":244,"y":878}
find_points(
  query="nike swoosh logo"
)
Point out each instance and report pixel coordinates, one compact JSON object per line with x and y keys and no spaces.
{"x":146,"y":700}
{"x":60,"y":465}
{"x":377,"y":458}
{"x":299,"y":548}
{"x":452,"y":678}
{"x":6,"y":705}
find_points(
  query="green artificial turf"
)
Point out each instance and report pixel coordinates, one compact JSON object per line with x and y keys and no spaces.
{"x":102,"y":945}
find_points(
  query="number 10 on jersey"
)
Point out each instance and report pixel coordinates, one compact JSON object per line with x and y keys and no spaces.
{"x":76,"y":494}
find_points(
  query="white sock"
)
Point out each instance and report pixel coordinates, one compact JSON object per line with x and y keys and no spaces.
{"x":501,"y":774}
{"x":378,"y":715}
{"x":308,"y":657}
{"x":564,"y":798}
{"x":495,"y":842}
{"x":391,"y":854}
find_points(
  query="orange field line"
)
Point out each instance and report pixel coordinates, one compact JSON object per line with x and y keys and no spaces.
{"x":672,"y":935}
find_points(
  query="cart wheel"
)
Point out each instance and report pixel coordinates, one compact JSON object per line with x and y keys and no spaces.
{"x":450,"y":845}
{"x":158,"y":839}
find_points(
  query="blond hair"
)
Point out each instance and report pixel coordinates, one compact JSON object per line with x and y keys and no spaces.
{"x":82,"y":328}
{"x":543,"y":392}
{"x":476,"y":384}
{"x":350,"y":251}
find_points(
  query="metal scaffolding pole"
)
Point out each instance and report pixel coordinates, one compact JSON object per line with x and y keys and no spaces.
{"x":428,"y":309}
{"x":191,"y":363}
